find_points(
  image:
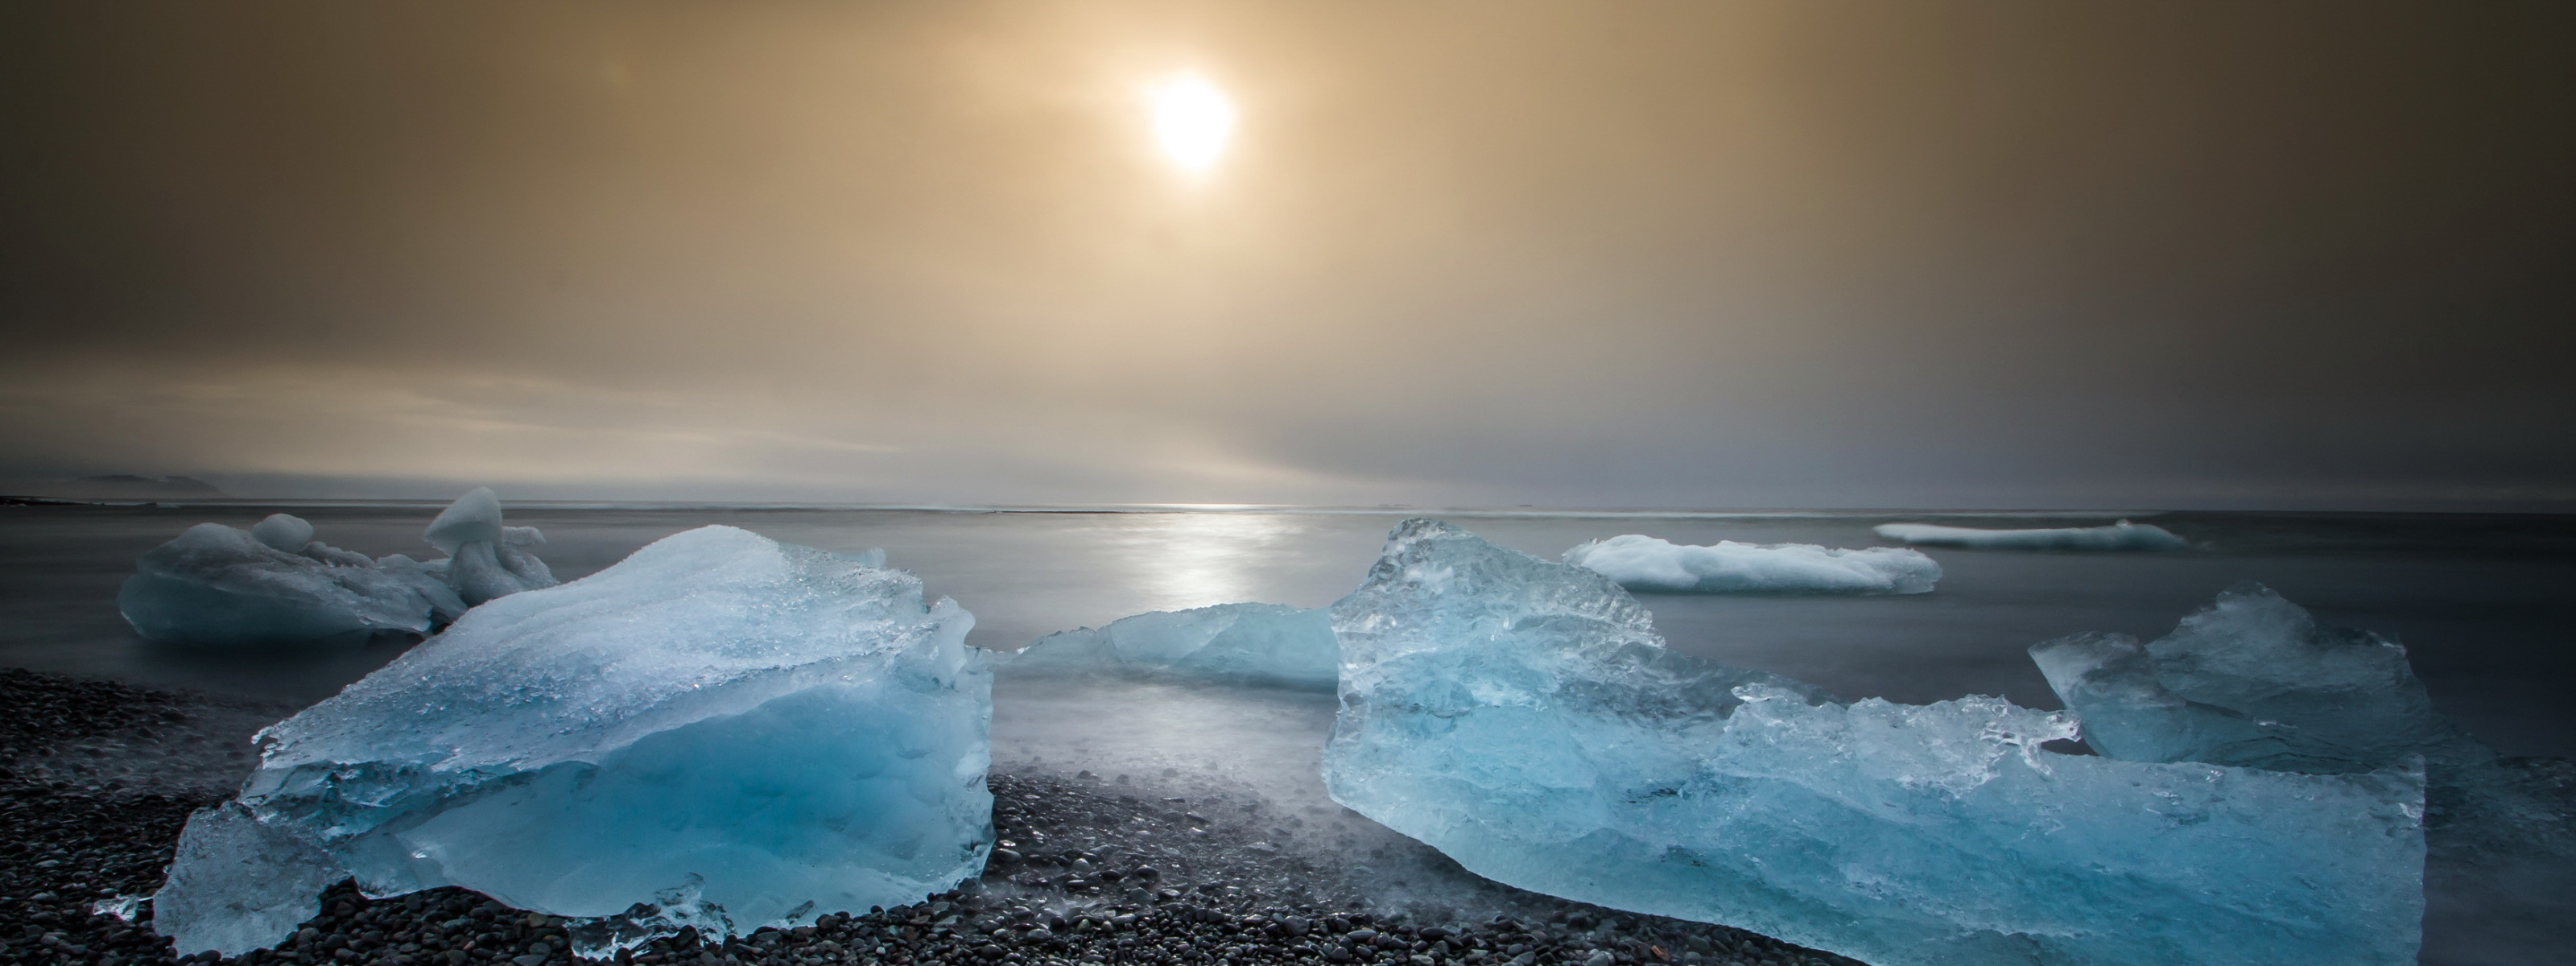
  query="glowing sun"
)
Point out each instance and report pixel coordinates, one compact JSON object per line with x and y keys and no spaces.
{"x":1192,"y":121}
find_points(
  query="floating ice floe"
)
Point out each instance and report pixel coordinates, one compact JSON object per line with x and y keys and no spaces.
{"x":1524,"y":718}
{"x":222,"y":587}
{"x":1258,"y":644}
{"x":1644,"y":563}
{"x":485,"y":559}
{"x":2123,"y":535}
{"x":720,"y":730}
{"x":2252,"y":679}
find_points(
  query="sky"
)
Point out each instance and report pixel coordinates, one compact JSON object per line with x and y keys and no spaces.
{"x":1654,"y":255}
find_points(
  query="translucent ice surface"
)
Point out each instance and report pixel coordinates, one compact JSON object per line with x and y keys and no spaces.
{"x":1260,"y":644}
{"x":238,"y":885}
{"x":760,"y":732}
{"x":1644,"y":563}
{"x":1524,"y":718}
{"x":2123,"y":535}
{"x":2253,"y":680}
{"x":224,"y":588}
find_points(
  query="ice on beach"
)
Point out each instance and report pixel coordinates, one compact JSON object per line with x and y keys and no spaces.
{"x":1643,"y":563}
{"x":772,"y":731}
{"x":238,"y":884}
{"x":2123,"y":535}
{"x":2250,"y":680}
{"x":225,"y":588}
{"x":1524,"y":718}
{"x":1258,"y":644}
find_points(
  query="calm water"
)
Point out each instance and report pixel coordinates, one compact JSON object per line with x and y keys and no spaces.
{"x":2483,"y":602}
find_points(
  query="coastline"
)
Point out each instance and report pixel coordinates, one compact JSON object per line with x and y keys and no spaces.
{"x":96,"y":779}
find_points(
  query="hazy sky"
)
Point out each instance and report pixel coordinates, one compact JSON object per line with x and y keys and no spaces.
{"x":1579,"y":254}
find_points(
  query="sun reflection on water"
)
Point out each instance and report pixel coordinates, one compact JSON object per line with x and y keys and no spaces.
{"x":1183,"y":560}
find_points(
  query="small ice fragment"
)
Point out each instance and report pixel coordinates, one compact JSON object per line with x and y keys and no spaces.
{"x":1524,"y":718}
{"x":123,"y":907}
{"x":1643,"y":563}
{"x":2123,"y":535}
{"x":238,"y":884}
{"x":778,"y":728}
{"x":1257,"y":644}
{"x":670,"y":911}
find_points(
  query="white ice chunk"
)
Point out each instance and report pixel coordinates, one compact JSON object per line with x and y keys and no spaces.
{"x":2123,"y":535}
{"x":486,"y":560}
{"x":1643,"y":563}
{"x":220,"y":587}
{"x":473,"y":518}
{"x":1524,"y":718}
{"x":283,"y":532}
{"x":1259,"y":644}
{"x":785,"y":730}
{"x":123,"y":907}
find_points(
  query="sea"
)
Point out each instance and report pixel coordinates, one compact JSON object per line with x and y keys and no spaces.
{"x":2484,"y":603}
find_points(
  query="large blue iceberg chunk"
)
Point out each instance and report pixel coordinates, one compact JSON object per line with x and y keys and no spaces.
{"x":2123,"y":535}
{"x":1642,"y":563}
{"x":757,"y":731}
{"x":1524,"y":718}
{"x":1259,"y":644}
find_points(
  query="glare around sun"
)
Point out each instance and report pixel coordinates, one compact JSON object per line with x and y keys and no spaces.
{"x":1192,"y":121}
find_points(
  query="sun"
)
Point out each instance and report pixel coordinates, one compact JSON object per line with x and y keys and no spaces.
{"x":1192,"y":121}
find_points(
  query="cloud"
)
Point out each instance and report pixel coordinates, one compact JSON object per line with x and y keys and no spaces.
{"x":1700,"y":256}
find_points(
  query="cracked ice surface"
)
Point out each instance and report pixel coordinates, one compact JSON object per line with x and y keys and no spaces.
{"x":758,"y":731}
{"x":1642,"y":563}
{"x":1524,"y":718}
{"x":1263,"y":644}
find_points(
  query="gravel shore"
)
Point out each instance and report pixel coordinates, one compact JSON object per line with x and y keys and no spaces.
{"x":97,"y":778}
